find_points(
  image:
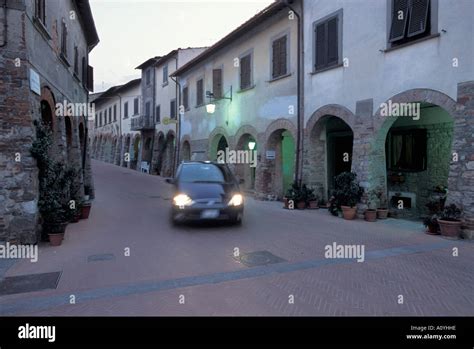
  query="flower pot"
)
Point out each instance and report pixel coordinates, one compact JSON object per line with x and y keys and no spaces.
{"x":432,"y":229}
{"x":348,"y":212}
{"x":55,"y":239}
{"x":85,"y":211}
{"x":76,"y":217}
{"x":449,"y":228}
{"x":313,"y":205}
{"x":382,"y":213}
{"x":301,"y":205}
{"x":370,"y":215}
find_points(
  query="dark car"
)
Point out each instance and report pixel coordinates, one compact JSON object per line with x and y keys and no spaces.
{"x":206,"y":191}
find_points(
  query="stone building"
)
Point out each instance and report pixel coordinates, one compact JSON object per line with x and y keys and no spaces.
{"x":157,"y":122}
{"x":394,"y":93}
{"x":44,"y":49}
{"x":113,"y":139}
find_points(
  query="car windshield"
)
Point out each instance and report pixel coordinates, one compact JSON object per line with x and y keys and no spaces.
{"x":202,"y":173}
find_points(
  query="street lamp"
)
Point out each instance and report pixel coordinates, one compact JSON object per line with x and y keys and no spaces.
{"x":211,"y":107}
{"x":251,"y":145}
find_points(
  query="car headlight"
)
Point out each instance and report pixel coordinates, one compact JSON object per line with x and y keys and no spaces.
{"x":236,"y":200}
{"x":182,"y":200}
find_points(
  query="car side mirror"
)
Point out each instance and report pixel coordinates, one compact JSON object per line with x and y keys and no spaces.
{"x":241,"y":181}
{"x":169,"y":180}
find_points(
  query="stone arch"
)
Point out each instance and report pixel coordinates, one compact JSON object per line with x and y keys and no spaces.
{"x":328,"y":147}
{"x":377,"y":173}
{"x":246,"y":170}
{"x":275,"y":174}
{"x":82,"y":142}
{"x":69,"y":136}
{"x":214,"y":139}
{"x":125,"y":160}
{"x":168,"y":160}
{"x":48,"y":99}
{"x":185,"y":148}
{"x":135,"y":151}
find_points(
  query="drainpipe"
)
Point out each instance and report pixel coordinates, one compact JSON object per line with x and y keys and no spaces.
{"x":120,"y":127}
{"x":300,"y":96}
{"x":5,"y":25}
{"x":178,"y":119}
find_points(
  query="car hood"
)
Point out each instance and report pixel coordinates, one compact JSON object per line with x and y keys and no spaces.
{"x":200,"y":191}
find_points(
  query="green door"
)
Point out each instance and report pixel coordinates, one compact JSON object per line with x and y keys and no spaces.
{"x":287,"y":160}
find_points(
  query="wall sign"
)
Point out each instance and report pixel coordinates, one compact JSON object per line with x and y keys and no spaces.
{"x":270,"y":154}
{"x":35,"y":84}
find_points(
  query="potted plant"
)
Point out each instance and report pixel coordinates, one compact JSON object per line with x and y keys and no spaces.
{"x":449,"y":221}
{"x":370,"y":215}
{"x":431,"y":222}
{"x":54,"y":187}
{"x":347,"y":194}
{"x":312,"y":201}
{"x":382,"y":210}
{"x":298,"y":195}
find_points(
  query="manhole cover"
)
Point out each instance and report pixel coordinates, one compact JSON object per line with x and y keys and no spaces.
{"x":258,"y":258}
{"x":101,"y":257}
{"x":29,"y":283}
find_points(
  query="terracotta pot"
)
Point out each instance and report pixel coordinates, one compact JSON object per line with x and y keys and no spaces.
{"x":449,"y":228}
{"x":432,"y":230}
{"x":370,"y":215}
{"x":348,"y":212}
{"x":313,"y":205}
{"x":76,"y":217}
{"x":85,"y":211}
{"x":301,"y":205}
{"x":382,"y":213}
{"x":55,"y":239}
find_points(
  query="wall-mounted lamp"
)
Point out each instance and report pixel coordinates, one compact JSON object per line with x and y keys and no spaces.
{"x":251,"y":145}
{"x":211,"y":107}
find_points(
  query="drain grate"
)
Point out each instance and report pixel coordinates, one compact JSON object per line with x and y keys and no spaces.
{"x":101,"y":257}
{"x":29,"y":283}
{"x":259,"y":258}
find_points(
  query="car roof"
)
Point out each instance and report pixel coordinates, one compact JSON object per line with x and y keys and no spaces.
{"x":202,"y":162}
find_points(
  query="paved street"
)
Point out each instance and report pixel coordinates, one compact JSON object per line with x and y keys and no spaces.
{"x":191,"y":270}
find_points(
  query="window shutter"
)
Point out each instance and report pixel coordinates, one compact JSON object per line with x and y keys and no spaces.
{"x":245,"y":72}
{"x":283,"y":55}
{"x":199,"y":99}
{"x":158,"y":114}
{"x":185,"y":98}
{"x":90,"y":78}
{"x":320,"y":46}
{"x":418,"y":17}
{"x":173,"y":109}
{"x":397,"y":31}
{"x":333,"y":44}
{"x":276,"y":58}
{"x":217,"y":83}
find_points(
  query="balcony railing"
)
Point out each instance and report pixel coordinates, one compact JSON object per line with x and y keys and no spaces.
{"x":143,"y":122}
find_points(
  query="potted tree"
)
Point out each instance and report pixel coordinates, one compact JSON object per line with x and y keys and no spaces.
{"x":449,"y":221}
{"x":370,"y":215}
{"x":347,"y":193}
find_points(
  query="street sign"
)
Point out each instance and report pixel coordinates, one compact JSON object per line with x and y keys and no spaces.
{"x":35,"y":85}
{"x":270,"y":154}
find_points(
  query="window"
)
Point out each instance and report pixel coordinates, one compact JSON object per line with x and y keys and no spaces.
{"x":165,"y":74}
{"x":100,"y":119}
{"x":84,"y":71}
{"x":173,"y":109}
{"x":147,"y":109}
{"x":217,"y":83}
{"x":64,"y":38}
{"x":158,"y":114}
{"x":186,"y":98}
{"x":245,"y":72}
{"x":125,"y":110}
{"x":105,"y":116}
{"x":135,"y":106}
{"x":410,"y":20}
{"x":40,"y":10}
{"x":76,"y":60}
{"x":110,"y":115}
{"x":279,"y":57}
{"x":96,"y":120}
{"x":200,"y":92}
{"x":148,"y":76}
{"x":406,"y":150}
{"x":328,"y":41}
{"x":115,"y":112}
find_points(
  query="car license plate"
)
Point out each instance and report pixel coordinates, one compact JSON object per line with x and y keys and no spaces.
{"x":209,"y":214}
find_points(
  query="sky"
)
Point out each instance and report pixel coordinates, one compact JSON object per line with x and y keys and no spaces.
{"x":131,"y":31}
